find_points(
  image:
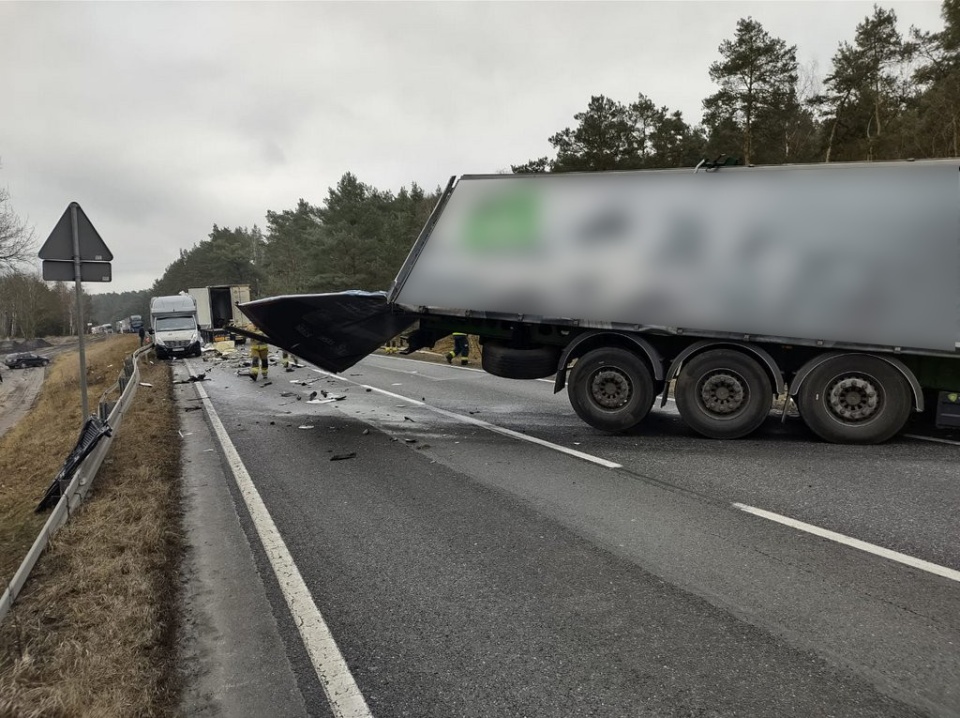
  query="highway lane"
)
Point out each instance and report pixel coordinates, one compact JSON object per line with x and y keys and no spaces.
{"x":903,"y":495}
{"x":464,"y":572}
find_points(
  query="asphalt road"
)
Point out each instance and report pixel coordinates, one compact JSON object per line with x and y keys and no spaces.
{"x":466,"y":571}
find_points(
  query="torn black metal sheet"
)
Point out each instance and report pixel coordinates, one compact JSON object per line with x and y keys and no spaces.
{"x":332,"y":331}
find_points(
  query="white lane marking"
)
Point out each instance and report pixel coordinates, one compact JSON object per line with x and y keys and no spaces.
{"x":483,"y":424}
{"x":903,"y":558}
{"x":344,"y":696}
{"x":448,"y":366}
{"x":932,"y":438}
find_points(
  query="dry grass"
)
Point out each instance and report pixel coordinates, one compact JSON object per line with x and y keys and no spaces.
{"x":33,"y":451}
{"x":93,"y":633}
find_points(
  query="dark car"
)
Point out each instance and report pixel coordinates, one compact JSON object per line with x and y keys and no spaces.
{"x":24,"y":359}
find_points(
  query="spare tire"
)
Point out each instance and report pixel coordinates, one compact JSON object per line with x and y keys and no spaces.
{"x":512,"y":363}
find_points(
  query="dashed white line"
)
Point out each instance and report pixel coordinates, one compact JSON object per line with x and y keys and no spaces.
{"x":481,"y":423}
{"x":346,"y":700}
{"x":903,"y":558}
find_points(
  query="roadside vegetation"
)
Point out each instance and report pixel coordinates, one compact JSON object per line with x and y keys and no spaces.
{"x":93,"y":633}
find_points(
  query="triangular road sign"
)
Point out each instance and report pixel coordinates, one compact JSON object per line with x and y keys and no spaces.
{"x":59,"y":244}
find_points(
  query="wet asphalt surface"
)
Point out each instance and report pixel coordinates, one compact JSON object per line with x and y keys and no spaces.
{"x":466,"y":573}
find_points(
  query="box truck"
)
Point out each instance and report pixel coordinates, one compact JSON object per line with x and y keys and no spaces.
{"x":836,"y":286}
{"x":173,"y":326}
{"x":217,"y":309}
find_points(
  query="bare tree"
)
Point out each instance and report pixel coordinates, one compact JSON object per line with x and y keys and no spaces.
{"x":16,"y":239}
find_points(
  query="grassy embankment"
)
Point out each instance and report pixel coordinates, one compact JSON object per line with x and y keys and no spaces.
{"x":93,"y":633}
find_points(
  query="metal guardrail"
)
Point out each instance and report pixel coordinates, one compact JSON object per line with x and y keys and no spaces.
{"x":111,"y":413}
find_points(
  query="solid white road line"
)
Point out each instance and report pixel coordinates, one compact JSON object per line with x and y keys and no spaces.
{"x":903,"y":558}
{"x":934,"y":439}
{"x":345,"y":698}
{"x":483,"y":424}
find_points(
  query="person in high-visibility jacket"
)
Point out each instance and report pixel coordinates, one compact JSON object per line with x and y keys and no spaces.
{"x":461,"y":348}
{"x":258,"y":356}
{"x":286,"y":359}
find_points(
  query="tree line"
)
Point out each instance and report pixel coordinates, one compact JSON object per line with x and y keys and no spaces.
{"x":887,"y":95}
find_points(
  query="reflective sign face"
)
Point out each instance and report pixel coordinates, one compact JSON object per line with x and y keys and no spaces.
{"x":866,"y":255}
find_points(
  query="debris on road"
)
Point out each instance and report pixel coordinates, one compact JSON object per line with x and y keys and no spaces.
{"x":410,"y":441}
{"x":192,"y":408}
{"x":143,"y":383}
{"x":193,"y":378}
{"x":305,"y":426}
{"x":365,"y":432}
{"x":313,"y":394}
{"x":342,"y":457}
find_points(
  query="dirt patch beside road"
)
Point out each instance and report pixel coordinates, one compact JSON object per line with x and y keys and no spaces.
{"x":18,"y":392}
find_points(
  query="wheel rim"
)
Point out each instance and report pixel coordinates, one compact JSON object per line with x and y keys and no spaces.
{"x":723,"y":393}
{"x":854,"y":398}
{"x":610,"y":388}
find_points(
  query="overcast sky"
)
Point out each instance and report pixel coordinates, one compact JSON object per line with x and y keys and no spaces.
{"x":162,"y":119}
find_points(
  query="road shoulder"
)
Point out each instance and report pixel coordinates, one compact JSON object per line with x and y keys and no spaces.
{"x":233,"y":661}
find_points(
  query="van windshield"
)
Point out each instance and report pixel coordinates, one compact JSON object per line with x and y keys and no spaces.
{"x":175,"y":324}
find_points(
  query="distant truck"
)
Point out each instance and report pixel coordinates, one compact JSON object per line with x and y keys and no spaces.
{"x":123,"y":326}
{"x":173,"y":326}
{"x":836,"y":287}
{"x":217,"y":309}
{"x":136,"y":323}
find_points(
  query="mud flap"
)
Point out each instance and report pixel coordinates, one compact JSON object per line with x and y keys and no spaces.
{"x":332,"y":331}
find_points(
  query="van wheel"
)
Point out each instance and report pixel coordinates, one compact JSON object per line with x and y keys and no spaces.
{"x":611,"y":389}
{"x":855,"y":399}
{"x":723,"y":394}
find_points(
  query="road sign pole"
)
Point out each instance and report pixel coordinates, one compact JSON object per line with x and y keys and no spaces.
{"x":80,"y":325}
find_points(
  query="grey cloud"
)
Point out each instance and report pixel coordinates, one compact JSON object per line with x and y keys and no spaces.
{"x":164,"y":118}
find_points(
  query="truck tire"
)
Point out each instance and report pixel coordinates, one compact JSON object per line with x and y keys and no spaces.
{"x":511,"y":363}
{"x":855,"y":399}
{"x":723,"y":394}
{"x":611,"y":389}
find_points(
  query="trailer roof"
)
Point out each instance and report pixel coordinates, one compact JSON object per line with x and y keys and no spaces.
{"x":729,"y":168}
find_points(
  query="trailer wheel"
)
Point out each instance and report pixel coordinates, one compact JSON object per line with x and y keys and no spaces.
{"x":723,"y":394}
{"x":512,"y":363}
{"x":611,"y":389}
{"x":855,"y":399}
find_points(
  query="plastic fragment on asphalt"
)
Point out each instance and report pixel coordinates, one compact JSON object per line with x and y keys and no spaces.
{"x":143,"y":383}
{"x":305,"y":426}
{"x":411,"y":441}
{"x":321,"y":401}
{"x":366,"y":432}
{"x":342,"y":457}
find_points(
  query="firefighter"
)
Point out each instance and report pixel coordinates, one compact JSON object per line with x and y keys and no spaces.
{"x":258,"y":355}
{"x":461,"y":348}
{"x":287,"y":359}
